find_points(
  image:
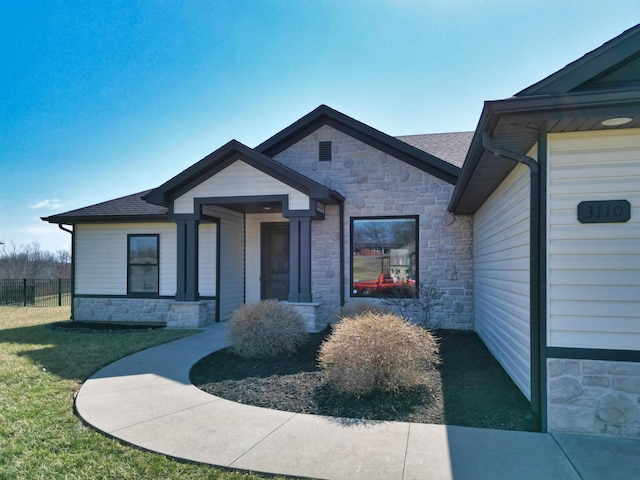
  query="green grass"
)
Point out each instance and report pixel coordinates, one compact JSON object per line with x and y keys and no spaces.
{"x":41,"y":369}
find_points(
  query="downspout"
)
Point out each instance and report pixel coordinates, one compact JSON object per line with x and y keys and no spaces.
{"x":535,"y":333}
{"x":341,"y":235}
{"x":73,"y":265}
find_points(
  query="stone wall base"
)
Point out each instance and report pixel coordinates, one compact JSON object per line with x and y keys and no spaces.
{"x":309,"y":312}
{"x":594,"y":397}
{"x":121,"y":310}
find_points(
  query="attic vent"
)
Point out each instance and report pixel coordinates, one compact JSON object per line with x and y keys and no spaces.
{"x":324,"y":149}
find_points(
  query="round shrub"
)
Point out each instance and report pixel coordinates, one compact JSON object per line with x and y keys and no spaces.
{"x":359,"y":307}
{"x":267,"y":329}
{"x":372,"y":351}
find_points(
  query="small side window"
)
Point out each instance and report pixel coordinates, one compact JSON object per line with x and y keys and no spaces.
{"x":143,"y":265}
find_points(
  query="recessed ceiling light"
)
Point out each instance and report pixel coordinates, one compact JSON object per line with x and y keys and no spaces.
{"x":266,"y":207}
{"x":616,"y":122}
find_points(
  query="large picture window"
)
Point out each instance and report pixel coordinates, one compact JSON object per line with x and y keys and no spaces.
{"x":143,"y":265}
{"x":383,"y":257}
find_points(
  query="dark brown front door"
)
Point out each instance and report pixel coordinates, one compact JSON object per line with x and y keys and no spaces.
{"x":274,"y":269}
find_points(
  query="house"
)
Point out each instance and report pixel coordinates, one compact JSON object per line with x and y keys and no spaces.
{"x":283,"y":220}
{"x":530,"y":226}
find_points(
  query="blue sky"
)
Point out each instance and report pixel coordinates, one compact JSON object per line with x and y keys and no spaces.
{"x":106,"y":98}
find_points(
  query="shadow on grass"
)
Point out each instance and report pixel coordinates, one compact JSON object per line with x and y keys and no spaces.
{"x":469,"y":388}
{"x":75,"y":354}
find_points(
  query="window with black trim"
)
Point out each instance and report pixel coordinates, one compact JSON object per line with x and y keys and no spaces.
{"x":143,"y":264}
{"x":383,"y":256}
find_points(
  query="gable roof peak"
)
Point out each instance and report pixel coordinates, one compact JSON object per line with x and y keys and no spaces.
{"x":225,"y":156}
{"x":611,"y":55}
{"x":325,"y":115}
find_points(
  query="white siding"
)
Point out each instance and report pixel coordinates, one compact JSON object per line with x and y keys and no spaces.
{"x":253,"y":251}
{"x":593,"y":269}
{"x":240,"y":179}
{"x":207,"y":259}
{"x":101,"y":257}
{"x":501,"y":271}
{"x":232,"y":259}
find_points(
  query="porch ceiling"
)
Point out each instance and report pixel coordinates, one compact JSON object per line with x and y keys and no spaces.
{"x":253,"y":206}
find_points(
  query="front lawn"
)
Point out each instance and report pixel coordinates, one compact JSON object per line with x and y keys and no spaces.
{"x":41,"y":369}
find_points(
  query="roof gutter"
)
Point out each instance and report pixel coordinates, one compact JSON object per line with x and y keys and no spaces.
{"x":61,"y":227}
{"x":535,"y":270}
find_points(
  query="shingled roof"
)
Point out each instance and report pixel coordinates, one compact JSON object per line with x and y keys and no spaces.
{"x":446,"y":151}
{"x":125,"y":209}
{"x":450,"y":147}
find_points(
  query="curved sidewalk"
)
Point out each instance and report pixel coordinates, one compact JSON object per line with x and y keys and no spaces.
{"x":147,"y":400}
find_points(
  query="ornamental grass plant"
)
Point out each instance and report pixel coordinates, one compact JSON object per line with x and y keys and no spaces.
{"x":372,"y":351}
{"x":360,"y":307}
{"x":266,"y":329}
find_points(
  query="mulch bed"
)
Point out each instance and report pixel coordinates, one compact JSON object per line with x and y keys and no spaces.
{"x":469,"y":388}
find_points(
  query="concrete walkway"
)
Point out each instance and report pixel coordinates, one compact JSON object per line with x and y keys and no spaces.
{"x":147,"y":400}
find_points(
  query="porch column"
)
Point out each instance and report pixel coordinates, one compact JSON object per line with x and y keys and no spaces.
{"x":187,"y":267}
{"x":300,"y":259}
{"x":294,"y":259}
{"x":305,"y":259}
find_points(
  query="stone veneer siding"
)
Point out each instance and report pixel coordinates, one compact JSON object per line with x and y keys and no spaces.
{"x":130,"y":310}
{"x":594,"y":397}
{"x":308,"y":312}
{"x":376,"y":184}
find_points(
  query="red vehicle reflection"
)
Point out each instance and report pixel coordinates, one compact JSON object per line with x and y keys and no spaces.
{"x":384,"y":285}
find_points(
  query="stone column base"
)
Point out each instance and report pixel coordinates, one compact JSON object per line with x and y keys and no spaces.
{"x":309,"y":312}
{"x":187,"y":315}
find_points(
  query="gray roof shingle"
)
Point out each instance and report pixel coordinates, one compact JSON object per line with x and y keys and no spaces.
{"x":130,"y":207}
{"x":450,"y":147}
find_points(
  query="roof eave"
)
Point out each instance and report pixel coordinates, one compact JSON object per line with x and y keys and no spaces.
{"x":72,"y":220}
{"x":540,"y":107}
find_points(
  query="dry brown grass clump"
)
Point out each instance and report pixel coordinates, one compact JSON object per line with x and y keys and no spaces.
{"x":360,"y":307}
{"x":372,"y":351}
{"x":266,"y":329}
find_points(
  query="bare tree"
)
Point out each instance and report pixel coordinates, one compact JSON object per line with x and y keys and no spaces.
{"x":30,"y":261}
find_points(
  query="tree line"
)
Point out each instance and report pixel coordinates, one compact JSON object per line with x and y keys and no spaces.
{"x":31,"y":262}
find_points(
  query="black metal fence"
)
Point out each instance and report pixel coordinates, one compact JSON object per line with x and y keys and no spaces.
{"x":35,"y":293}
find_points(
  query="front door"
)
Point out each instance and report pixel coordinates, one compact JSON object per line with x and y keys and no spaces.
{"x":274,"y":268}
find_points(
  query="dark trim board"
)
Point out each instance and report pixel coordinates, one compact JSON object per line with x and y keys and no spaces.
{"x":145,"y":297}
{"x":73,"y":219}
{"x":157,"y":297}
{"x":593,"y":354}
{"x":541,"y":321}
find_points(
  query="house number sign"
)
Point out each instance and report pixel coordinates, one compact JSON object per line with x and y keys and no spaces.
{"x":606,"y":211}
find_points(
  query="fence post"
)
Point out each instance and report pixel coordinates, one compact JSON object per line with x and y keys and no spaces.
{"x":24,"y":292}
{"x":59,"y":292}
